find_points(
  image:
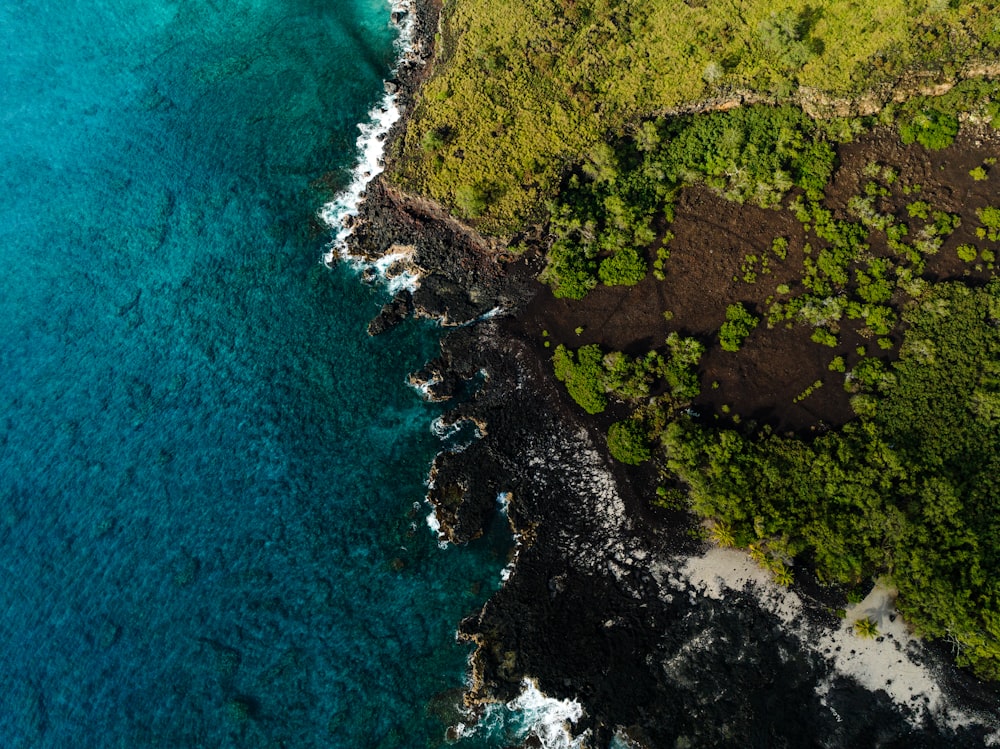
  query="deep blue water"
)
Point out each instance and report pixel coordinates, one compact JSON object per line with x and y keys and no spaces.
{"x":207,"y":469}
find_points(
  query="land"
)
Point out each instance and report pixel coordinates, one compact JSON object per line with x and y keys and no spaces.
{"x":769,"y":326}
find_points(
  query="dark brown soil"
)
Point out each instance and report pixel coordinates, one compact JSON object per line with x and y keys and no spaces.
{"x":765,"y":380}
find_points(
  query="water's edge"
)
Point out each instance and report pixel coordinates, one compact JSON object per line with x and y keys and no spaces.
{"x":641,"y":650}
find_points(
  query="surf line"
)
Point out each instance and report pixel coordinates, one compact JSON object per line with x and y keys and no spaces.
{"x":339,"y":214}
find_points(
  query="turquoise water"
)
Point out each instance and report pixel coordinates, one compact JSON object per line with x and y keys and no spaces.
{"x":207,"y":469}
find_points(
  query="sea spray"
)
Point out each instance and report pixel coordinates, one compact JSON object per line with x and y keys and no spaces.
{"x":529,"y":714}
{"x":340,"y":213}
{"x":503,"y":501}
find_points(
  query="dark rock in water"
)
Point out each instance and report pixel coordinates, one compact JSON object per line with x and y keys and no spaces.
{"x":441,"y":298}
{"x":464,"y":489}
{"x":391,"y":87}
{"x":437,"y":381}
{"x":397,"y":16}
{"x":392,"y":314}
{"x":465,"y":280}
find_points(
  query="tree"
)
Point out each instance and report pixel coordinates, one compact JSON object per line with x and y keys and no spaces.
{"x":628,"y":442}
{"x":584,"y":376}
{"x":785,"y":35}
{"x":930,"y":128}
{"x":738,"y":325}
{"x":625,"y":268}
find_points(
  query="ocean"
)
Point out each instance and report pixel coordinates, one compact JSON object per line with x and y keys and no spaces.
{"x":212,"y":527}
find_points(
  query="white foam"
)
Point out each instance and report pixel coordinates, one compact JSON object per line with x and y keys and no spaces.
{"x":371,"y":148}
{"x":443,"y":429}
{"x":424,"y":388}
{"x":531,"y":713}
{"x":435,"y":525}
{"x":448,"y":431}
{"x":408,"y":278}
{"x":503,"y":500}
{"x":487,"y":315}
{"x":548,"y":718}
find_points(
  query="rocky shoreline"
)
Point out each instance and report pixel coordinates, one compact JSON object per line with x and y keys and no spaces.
{"x":598,"y":607}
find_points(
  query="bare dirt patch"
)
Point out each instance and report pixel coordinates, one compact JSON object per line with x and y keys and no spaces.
{"x":780,"y":376}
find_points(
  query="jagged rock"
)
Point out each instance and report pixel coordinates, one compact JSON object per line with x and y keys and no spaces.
{"x":391,"y":87}
{"x":392,"y":314}
{"x":464,"y":489}
{"x":436,"y":381}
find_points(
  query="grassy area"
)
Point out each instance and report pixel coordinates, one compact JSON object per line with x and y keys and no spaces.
{"x":521,"y":90}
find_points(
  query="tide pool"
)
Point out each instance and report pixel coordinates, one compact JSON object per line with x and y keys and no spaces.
{"x":210,"y":478}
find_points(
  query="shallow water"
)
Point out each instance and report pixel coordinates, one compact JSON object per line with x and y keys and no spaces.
{"x":207,"y":470}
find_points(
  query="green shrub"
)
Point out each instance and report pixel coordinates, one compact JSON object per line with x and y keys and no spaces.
{"x":628,"y":442}
{"x":990,"y":217}
{"x":738,"y":325}
{"x":435,"y":138}
{"x":471,"y":200}
{"x":785,"y":35}
{"x":824,"y":337}
{"x":930,"y":128}
{"x":584,"y":376}
{"x":865,"y":628}
{"x":625,"y":268}
{"x":967,"y":252}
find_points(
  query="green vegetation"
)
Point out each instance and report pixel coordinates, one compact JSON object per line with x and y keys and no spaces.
{"x":624,"y":268}
{"x":865,"y":628}
{"x":738,"y":325}
{"x":930,"y":128}
{"x":515,"y":96}
{"x":910,"y":489}
{"x":556,"y":115}
{"x":932,"y":121}
{"x":591,"y":375}
{"x":584,"y":376}
{"x":628,"y":442}
{"x":722,"y":534}
{"x":967,"y":253}
{"x":990,"y":218}
{"x":604,"y":216}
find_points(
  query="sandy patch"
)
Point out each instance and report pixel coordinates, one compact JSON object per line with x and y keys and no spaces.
{"x":894,"y":661}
